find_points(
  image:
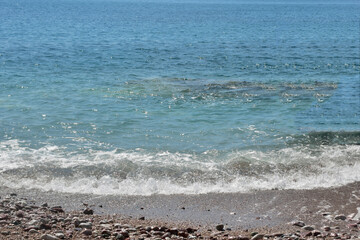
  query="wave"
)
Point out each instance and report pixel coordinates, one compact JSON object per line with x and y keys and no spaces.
{"x":141,"y":172}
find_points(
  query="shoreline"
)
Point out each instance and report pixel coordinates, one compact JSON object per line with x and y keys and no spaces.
{"x":270,"y":211}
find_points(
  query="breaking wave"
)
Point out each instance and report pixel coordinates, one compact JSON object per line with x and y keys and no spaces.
{"x":141,"y":172}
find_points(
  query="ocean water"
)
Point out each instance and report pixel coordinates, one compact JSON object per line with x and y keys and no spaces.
{"x":169,"y":97}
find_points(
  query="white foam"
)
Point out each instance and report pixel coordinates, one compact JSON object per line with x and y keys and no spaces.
{"x":289,"y":168}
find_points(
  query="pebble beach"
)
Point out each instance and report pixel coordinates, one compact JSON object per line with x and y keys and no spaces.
{"x":35,"y":215}
{"x":179,"y":119}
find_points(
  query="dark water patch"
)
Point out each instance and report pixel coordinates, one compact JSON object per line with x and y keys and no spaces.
{"x":326,"y":138}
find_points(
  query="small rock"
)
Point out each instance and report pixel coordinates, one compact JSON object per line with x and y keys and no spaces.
{"x":60,"y":235}
{"x":141,"y":218}
{"x":119,"y":237}
{"x":87,"y":232}
{"x":76,"y":221}
{"x":183,"y":234}
{"x":340,"y":217}
{"x":57,"y":209}
{"x":327,"y":228}
{"x":308,"y":228}
{"x":45,"y":226}
{"x":16,"y":222}
{"x":243,"y":238}
{"x":298,"y":223}
{"x":48,"y":237}
{"x":5,"y":233}
{"x":106,"y":226}
{"x":165,"y":235}
{"x":220,"y":227}
{"x":253,"y":234}
{"x":87,"y":225}
{"x":105,"y":233}
{"x":125,"y":234}
{"x":4,"y":217}
{"x":257,"y":237}
{"x":20,"y":214}
{"x":316,"y":233}
{"x":88,"y":211}
{"x":33,"y":222}
{"x":33,"y":231}
{"x":174,"y":231}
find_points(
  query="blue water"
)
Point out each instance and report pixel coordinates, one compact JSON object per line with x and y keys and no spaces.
{"x":144,"y":97}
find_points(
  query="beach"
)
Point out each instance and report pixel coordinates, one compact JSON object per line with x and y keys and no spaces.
{"x":179,"y":119}
{"x":331,"y":213}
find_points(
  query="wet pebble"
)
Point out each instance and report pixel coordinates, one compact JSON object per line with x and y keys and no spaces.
{"x":340,"y":217}
{"x":308,"y":228}
{"x":298,"y":223}
{"x":220,"y":227}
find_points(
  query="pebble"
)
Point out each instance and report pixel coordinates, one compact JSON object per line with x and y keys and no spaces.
{"x":20,"y":214}
{"x":4,"y":217}
{"x":48,"y":237}
{"x":243,"y":238}
{"x":5,"y":233}
{"x":119,"y":237}
{"x":340,"y":217}
{"x":88,"y":211}
{"x":54,"y":224}
{"x":326,"y":228}
{"x":220,"y":227}
{"x":87,"y":232}
{"x":354,"y":225}
{"x":60,"y":235}
{"x":87,"y":225}
{"x":308,"y":228}
{"x":257,"y":237}
{"x":298,"y":224}
{"x":33,"y":231}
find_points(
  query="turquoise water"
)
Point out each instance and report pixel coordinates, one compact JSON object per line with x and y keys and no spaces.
{"x":144,"y":97}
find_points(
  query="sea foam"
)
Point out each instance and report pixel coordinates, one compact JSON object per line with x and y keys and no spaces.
{"x":141,"y":172}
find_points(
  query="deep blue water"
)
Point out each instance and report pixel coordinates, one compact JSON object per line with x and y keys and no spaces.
{"x":141,"y":97}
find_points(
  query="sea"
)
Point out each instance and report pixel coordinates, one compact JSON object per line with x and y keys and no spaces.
{"x":143,"y":97}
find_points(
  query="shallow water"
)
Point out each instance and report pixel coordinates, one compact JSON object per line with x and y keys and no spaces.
{"x":116,"y":97}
